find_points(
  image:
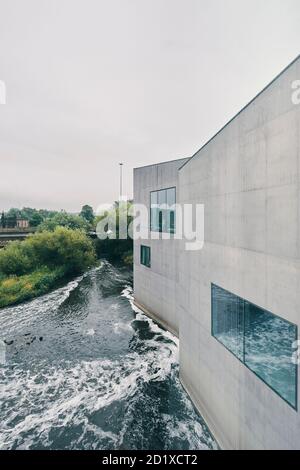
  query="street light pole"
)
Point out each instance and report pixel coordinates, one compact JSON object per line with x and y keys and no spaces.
{"x":121,"y":181}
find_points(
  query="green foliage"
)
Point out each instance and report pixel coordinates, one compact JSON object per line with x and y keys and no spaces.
{"x":63,"y":219}
{"x":36,"y":217}
{"x":70,"y":249}
{"x":11,"y":217}
{"x":15,"y":259}
{"x":87,"y":213}
{"x":128,"y":258}
{"x":18,"y":289}
{"x":116,"y":249}
{"x":33,"y":266}
{"x":62,"y":247}
{"x":49,"y":220}
{"x":3,"y":220}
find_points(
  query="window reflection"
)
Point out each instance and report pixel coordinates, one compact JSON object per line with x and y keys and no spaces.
{"x":261,"y":340}
{"x":162,"y":210}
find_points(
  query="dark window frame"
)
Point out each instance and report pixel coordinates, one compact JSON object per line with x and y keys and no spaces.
{"x":243,"y":361}
{"x":160,"y":226}
{"x":147,"y":265}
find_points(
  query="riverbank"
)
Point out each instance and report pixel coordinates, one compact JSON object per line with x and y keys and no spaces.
{"x":17,"y":289}
{"x":42,"y":261}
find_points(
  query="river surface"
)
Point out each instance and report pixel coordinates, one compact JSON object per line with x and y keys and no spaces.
{"x":82,"y":368}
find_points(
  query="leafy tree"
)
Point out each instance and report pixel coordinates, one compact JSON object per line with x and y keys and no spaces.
{"x":11,"y":217}
{"x":3,"y":220}
{"x":71,"y":249}
{"x":35,"y":216}
{"x":46,"y":213}
{"x":116,"y":249}
{"x":35,"y":219}
{"x":63,"y":248}
{"x":62,"y":219}
{"x":37,"y":264}
{"x":15,"y":260}
{"x":87,"y":213}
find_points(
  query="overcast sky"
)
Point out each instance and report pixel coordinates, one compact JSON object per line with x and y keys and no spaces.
{"x":90,"y":83}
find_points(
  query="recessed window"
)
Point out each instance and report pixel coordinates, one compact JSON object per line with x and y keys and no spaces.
{"x":259,"y":339}
{"x":162,"y":210}
{"x":146,"y":256}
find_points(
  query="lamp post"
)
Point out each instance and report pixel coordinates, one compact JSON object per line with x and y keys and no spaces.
{"x":121,"y":181}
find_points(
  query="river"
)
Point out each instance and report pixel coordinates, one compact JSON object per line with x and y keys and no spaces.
{"x":84,"y":369}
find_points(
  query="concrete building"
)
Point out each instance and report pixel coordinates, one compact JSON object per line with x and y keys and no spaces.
{"x":235,"y":303}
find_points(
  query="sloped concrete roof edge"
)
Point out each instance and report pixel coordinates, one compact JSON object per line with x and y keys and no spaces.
{"x":236,"y":115}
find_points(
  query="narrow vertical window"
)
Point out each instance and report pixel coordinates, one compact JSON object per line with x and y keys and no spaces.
{"x":146,"y":256}
{"x":154,"y":212}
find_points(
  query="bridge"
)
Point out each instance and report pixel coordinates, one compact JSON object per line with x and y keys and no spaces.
{"x":11,"y":234}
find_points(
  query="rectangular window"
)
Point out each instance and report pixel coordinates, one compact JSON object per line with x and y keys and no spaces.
{"x":146,"y":256}
{"x":162,"y":210}
{"x":258,"y":338}
{"x":154,"y":212}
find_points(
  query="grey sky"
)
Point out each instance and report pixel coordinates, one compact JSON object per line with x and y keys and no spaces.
{"x":92,"y":82}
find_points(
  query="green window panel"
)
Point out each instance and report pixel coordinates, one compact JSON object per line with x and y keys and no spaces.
{"x":146,"y":256}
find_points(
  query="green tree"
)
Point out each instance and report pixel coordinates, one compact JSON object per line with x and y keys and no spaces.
{"x":87,"y":213}
{"x":68,"y":249}
{"x":11,"y":217}
{"x":32,"y":215}
{"x":35,"y":219}
{"x":37,"y":264}
{"x":71,"y":249}
{"x":3,"y":220}
{"x":15,"y":259}
{"x":116,"y":249}
{"x":63,"y":219}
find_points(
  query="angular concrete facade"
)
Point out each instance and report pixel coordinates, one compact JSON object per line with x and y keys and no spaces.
{"x":248,"y":178}
{"x":163,"y":277}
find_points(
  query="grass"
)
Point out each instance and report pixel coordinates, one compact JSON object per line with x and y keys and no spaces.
{"x":16,"y":289}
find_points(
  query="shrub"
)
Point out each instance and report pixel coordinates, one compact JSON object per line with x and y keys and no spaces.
{"x":63,"y":219}
{"x":34,"y":266}
{"x":18,"y":289}
{"x":128,"y":258}
{"x":69,"y":249}
{"x":15,"y":260}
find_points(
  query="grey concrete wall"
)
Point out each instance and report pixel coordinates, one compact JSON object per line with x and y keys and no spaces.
{"x":248,"y":179}
{"x":155,"y":289}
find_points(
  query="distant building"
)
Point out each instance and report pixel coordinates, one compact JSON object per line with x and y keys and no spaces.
{"x":22,"y":223}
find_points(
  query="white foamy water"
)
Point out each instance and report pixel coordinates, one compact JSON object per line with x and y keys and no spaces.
{"x":17,"y":317}
{"x":62,"y":397}
{"x":105,"y":379}
{"x":128,"y":294}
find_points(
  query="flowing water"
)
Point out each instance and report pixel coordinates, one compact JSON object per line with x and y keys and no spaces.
{"x":82,"y":368}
